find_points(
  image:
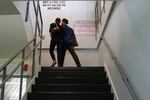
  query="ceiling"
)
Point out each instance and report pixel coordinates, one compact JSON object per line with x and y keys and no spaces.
{"x":7,"y":8}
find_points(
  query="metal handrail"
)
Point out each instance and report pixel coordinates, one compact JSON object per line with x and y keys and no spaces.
{"x":107,"y":21}
{"x":115,"y":59}
{"x":40,"y":29}
{"x":19,"y":65}
{"x":123,"y":75}
{"x":37,"y":10}
{"x":15,"y":55}
{"x":6,"y":77}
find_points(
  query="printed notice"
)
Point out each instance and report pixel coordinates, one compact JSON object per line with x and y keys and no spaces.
{"x":85,"y":27}
{"x":54,"y":5}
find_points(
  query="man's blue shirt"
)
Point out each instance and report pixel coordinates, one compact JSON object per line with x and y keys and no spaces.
{"x":68,"y":35}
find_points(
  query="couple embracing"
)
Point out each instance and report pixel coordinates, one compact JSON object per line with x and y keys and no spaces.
{"x":62,"y":37}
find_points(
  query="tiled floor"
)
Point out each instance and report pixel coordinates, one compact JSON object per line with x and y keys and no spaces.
{"x":12,"y":88}
{"x":87,"y":58}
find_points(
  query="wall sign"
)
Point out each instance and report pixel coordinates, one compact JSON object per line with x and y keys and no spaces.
{"x":54,"y":5}
{"x":85,"y":27}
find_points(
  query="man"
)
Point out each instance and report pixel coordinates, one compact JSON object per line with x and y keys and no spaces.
{"x":69,"y":42}
{"x":56,"y":40}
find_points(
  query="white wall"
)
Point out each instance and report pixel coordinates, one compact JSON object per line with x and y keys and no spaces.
{"x":21,"y":6}
{"x":73,"y":11}
{"x":7,"y":8}
{"x":128,"y":35}
{"x":12,"y":35}
{"x":118,"y":86}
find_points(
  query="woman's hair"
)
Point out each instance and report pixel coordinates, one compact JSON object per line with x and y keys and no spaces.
{"x":58,"y":20}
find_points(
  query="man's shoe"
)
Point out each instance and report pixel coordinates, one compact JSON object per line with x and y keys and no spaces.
{"x":53,"y":64}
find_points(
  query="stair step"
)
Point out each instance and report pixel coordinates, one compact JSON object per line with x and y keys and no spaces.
{"x":71,"y":83}
{"x":71,"y":88}
{"x":72,"y":69}
{"x":72,"y":74}
{"x":70,"y":96}
{"x":71,"y":80}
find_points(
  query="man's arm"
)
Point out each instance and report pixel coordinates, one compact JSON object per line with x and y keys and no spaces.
{"x":52,"y":28}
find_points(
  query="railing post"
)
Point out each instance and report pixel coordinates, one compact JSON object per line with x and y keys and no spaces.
{"x":3,"y":88}
{"x":33,"y":59}
{"x":21,"y":77}
{"x":34,"y":44}
{"x":104,"y":2}
{"x":40,"y":55}
{"x":96,"y":19}
{"x":40,"y":29}
{"x":27,"y":11}
{"x":100,"y":18}
{"x":41,"y":32}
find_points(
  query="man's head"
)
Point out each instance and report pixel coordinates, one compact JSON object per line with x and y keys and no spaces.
{"x":57,"y":20}
{"x":64,"y":21}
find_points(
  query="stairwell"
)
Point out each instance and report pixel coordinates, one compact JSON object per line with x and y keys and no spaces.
{"x":71,"y":83}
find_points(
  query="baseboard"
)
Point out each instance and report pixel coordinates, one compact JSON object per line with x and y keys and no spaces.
{"x":28,"y":88}
{"x":111,"y":82}
{"x":75,"y":49}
